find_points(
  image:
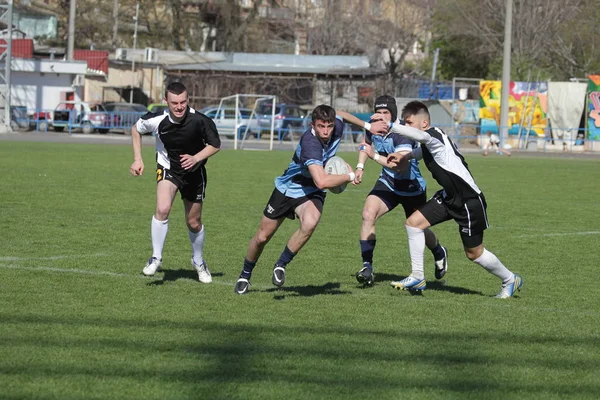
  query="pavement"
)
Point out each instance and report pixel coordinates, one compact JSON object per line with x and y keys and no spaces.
{"x":227,"y":143}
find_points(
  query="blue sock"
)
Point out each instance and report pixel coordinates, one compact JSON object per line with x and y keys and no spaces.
{"x":366,"y":248}
{"x":438,"y":252}
{"x":247,"y":270}
{"x":286,"y":257}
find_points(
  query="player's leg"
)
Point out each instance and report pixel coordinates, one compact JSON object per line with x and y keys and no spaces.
{"x":196,"y":233}
{"x":374,"y":208}
{"x":309,"y":213}
{"x":485,"y":148}
{"x":274,"y":214}
{"x":471,"y":233}
{"x":193,"y":193}
{"x":432,"y":213}
{"x":165,"y":193}
{"x":440,"y":253}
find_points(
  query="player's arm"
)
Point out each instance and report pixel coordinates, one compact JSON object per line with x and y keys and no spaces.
{"x":324,"y":181}
{"x":212,"y":147}
{"x":412,"y":133}
{"x":383,"y":161}
{"x":137,"y":167}
{"x":399,"y":160}
{"x":374,"y":127}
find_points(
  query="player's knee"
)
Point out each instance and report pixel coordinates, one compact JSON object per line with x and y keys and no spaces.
{"x":162,"y":212}
{"x":369,"y":215}
{"x":262,"y":237}
{"x":473,"y":254}
{"x":412,"y":222}
{"x":194,"y":224}
{"x":309,"y":225}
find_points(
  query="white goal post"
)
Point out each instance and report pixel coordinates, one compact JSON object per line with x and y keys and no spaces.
{"x":242,"y":126}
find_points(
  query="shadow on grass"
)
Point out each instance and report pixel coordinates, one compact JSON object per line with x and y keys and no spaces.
{"x":172,"y":275}
{"x":307,"y":291}
{"x":441,"y":285}
{"x":230,"y":356}
{"x":383,"y":278}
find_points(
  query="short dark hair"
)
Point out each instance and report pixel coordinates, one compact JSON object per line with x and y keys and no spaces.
{"x":414,"y":108}
{"x":323,"y":113}
{"x":176,"y":88}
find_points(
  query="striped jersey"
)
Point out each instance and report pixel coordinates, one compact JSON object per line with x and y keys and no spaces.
{"x":296,"y":180}
{"x":407,"y":183}
{"x":173,"y":139}
{"x":448,"y":167}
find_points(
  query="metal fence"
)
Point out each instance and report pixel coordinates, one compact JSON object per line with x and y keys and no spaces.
{"x":73,"y":120}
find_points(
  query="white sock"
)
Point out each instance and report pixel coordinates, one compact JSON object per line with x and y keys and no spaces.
{"x":159,"y":235}
{"x":493,"y":265}
{"x":197,"y":240}
{"x":416,"y":248}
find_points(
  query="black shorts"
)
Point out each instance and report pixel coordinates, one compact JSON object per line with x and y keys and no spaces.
{"x":391,"y":199}
{"x":191,"y":185}
{"x":471,"y":217}
{"x":279,"y":205}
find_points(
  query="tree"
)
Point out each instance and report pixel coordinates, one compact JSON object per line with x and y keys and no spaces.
{"x":544,"y":42}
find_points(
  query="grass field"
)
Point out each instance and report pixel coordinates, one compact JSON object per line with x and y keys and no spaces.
{"x":78,"y":321}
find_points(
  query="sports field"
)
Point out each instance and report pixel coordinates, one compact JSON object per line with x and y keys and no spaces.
{"x":79,"y":321}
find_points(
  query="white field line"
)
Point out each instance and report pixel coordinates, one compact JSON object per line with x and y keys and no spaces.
{"x":557,"y":234}
{"x":360,"y":293}
{"x":103,"y":273}
{"x":52,"y":257}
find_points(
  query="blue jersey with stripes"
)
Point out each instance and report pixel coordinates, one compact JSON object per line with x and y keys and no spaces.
{"x":407,"y":183}
{"x":296,"y":180}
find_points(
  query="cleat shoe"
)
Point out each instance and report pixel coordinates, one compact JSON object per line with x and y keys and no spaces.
{"x":241,"y":286}
{"x":204,"y":275}
{"x":366,"y":276}
{"x":441,"y":266}
{"x":410,"y":283}
{"x":510,"y":289}
{"x":278,"y":278}
{"x":152,"y":266}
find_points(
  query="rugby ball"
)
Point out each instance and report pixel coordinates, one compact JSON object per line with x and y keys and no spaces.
{"x":336,"y":166}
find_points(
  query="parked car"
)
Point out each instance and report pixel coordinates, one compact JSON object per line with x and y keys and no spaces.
{"x":224,"y":119}
{"x":79,"y":115}
{"x":289,"y":118}
{"x":158,"y":108}
{"x":124,"y":115}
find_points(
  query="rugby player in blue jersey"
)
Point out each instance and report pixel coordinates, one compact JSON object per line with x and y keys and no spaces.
{"x":299,"y":193}
{"x":391,"y":189}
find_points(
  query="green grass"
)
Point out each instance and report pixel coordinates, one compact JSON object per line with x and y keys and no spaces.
{"x":79,"y":321}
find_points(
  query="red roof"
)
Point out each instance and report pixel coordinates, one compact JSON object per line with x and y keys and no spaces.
{"x":21,"y":48}
{"x":96,"y":59}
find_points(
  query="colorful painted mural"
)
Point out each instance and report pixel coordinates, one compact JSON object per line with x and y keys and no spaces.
{"x":527,"y":106}
{"x":594,"y":107}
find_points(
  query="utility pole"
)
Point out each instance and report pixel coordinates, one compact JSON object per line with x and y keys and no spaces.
{"x":506,"y":74}
{"x":71,"y":37}
{"x":137,"y":12}
{"x":436,"y":54}
{"x":7,"y":57}
{"x":116,"y":24}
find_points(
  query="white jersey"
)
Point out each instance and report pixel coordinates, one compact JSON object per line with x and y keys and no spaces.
{"x":173,"y":139}
{"x":447,"y":166}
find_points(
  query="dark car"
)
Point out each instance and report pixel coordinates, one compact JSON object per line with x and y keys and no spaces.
{"x":289,"y":119}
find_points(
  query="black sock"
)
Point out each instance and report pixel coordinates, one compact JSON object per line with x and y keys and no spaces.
{"x":286,"y":257}
{"x":438,"y":252}
{"x":247,"y":270}
{"x":366,"y":248}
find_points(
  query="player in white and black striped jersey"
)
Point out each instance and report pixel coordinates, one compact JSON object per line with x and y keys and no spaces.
{"x":460,"y":199}
{"x":185,"y":139}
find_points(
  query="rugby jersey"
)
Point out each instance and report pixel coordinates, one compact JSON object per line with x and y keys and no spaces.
{"x":173,"y":139}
